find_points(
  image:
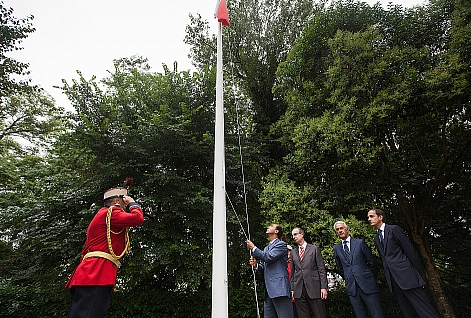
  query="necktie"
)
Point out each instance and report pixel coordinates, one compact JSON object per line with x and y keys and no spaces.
{"x":301,"y":252}
{"x":347,"y":251}
{"x":381,"y":238}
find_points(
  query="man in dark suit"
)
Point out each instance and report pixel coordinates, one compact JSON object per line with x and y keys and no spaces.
{"x":359,"y":268}
{"x":402,"y":267}
{"x":273,"y":260}
{"x":308,"y":278}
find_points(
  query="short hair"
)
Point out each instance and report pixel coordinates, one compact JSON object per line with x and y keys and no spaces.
{"x":380,"y":212}
{"x":300,"y":230}
{"x":109,"y":201}
{"x":344,"y":224}
{"x":280,"y":231}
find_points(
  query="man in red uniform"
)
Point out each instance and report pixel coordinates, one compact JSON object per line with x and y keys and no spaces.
{"x":107,"y":242}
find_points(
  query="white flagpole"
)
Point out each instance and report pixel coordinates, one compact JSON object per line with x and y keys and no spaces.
{"x":220,"y":307}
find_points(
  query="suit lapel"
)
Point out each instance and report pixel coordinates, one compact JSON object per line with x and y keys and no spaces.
{"x":270,"y":246}
{"x":295,"y":261}
{"x":386,"y":236}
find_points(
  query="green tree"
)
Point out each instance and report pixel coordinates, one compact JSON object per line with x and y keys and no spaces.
{"x":27,"y":113}
{"x":156,"y":129}
{"x":12,"y":32}
{"x":29,"y":120}
{"x":29,"y":274}
{"x":378,"y":117}
{"x":259,"y":38}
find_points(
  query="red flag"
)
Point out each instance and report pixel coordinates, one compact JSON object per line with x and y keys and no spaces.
{"x":222,"y":14}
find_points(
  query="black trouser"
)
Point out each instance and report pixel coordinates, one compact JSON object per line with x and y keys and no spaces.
{"x":413,"y":302}
{"x":89,"y":301}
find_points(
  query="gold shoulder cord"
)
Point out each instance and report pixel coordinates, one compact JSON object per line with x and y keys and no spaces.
{"x":127,"y":243}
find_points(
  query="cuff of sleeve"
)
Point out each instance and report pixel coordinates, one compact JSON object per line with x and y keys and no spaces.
{"x":132,"y":204}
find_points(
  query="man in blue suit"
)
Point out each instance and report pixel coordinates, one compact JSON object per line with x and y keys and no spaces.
{"x":402,"y":267}
{"x":359,"y":268}
{"x":272,"y":262}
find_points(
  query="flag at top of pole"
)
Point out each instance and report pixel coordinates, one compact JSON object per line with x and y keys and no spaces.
{"x":221,"y":13}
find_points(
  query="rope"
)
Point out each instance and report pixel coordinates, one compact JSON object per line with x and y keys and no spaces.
{"x":237,"y":216}
{"x":253,"y":270}
{"x":246,"y":234}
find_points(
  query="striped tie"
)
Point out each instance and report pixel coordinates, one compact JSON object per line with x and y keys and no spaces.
{"x":347,"y":251}
{"x":301,"y":252}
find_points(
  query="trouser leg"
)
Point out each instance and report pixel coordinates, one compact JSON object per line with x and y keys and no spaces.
{"x":302,"y":305}
{"x":283,"y":306}
{"x":404,"y":303}
{"x":89,"y":301}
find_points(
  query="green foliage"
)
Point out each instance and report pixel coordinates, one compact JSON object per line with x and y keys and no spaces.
{"x":26,"y":286}
{"x":259,"y":38}
{"x":377,"y":116}
{"x":159,"y":304}
{"x":29,"y":120}
{"x":27,"y":114}
{"x":152,"y":127}
{"x":242,"y":297}
{"x":12,"y":31}
{"x":338,"y":304}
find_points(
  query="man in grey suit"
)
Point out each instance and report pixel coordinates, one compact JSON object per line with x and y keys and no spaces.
{"x":359,"y":268}
{"x":402,"y":267}
{"x":273,"y":260}
{"x":308,"y":278}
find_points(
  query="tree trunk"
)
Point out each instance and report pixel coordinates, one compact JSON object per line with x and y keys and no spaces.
{"x":435,"y":283}
{"x":432,"y":275}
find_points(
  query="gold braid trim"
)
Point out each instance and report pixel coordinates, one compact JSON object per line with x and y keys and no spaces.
{"x":127,"y":243}
{"x":102,"y":255}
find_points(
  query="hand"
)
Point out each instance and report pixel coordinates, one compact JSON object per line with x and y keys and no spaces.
{"x":253,"y":262}
{"x":323,"y":293}
{"x":250,"y":245}
{"x":127,"y":199}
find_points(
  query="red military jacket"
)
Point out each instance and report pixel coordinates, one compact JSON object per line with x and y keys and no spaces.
{"x":100,"y":271}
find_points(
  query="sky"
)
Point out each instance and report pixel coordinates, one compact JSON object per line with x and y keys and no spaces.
{"x":87,"y":35}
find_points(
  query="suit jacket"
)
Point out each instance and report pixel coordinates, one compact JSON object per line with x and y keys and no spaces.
{"x":100,"y":271}
{"x":361,"y":267}
{"x":309,"y":271}
{"x":400,"y":260}
{"x":273,"y":261}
